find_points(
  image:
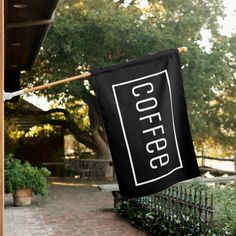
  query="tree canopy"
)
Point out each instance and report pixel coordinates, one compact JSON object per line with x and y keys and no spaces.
{"x":89,"y":34}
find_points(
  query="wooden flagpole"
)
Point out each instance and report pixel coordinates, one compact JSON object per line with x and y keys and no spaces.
{"x":182,"y":49}
{"x":2,"y":35}
{"x":78,"y":77}
{"x":63,"y":81}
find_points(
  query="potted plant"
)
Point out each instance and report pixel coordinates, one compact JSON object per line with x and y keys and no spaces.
{"x":21,"y":179}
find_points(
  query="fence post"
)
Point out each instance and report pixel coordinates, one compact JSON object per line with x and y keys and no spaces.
{"x":203,"y":157}
{"x":211,"y":209}
{"x":235,"y":161}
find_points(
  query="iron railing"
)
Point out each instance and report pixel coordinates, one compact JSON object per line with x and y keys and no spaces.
{"x":179,"y":203}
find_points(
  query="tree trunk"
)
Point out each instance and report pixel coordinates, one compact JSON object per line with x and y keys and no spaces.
{"x":103,"y":150}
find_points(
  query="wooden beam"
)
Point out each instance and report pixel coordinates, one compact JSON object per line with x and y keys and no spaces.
{"x":217,"y":180}
{"x":1,"y":118}
{"x":29,"y":23}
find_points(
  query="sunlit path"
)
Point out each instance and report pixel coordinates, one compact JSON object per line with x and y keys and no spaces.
{"x":69,"y":210}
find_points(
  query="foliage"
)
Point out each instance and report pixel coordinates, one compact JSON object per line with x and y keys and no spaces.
{"x":16,"y":135}
{"x":225,"y":201}
{"x":88,"y":34}
{"x":158,"y":221}
{"x":22,"y":175}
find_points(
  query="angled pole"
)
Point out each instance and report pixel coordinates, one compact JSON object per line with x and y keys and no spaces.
{"x":85,"y":75}
{"x":63,"y":81}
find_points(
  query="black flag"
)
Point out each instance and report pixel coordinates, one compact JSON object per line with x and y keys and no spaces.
{"x":144,"y":111}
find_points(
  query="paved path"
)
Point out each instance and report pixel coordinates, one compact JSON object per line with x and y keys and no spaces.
{"x":69,"y":210}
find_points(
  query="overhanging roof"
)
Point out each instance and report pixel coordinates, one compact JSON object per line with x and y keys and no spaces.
{"x":27,"y":22}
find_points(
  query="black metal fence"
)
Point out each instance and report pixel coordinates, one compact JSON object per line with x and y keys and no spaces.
{"x":179,"y":201}
{"x":183,"y":209}
{"x":187,"y":208}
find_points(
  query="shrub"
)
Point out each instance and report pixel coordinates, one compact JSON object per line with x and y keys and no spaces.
{"x":157,"y":220}
{"x":23,"y":175}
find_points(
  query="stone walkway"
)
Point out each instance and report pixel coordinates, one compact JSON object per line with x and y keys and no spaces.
{"x":68,"y":210}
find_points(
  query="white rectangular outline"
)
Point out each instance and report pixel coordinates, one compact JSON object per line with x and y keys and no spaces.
{"x":124,"y":133}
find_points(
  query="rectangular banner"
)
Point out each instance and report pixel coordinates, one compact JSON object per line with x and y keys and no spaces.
{"x":144,"y":111}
